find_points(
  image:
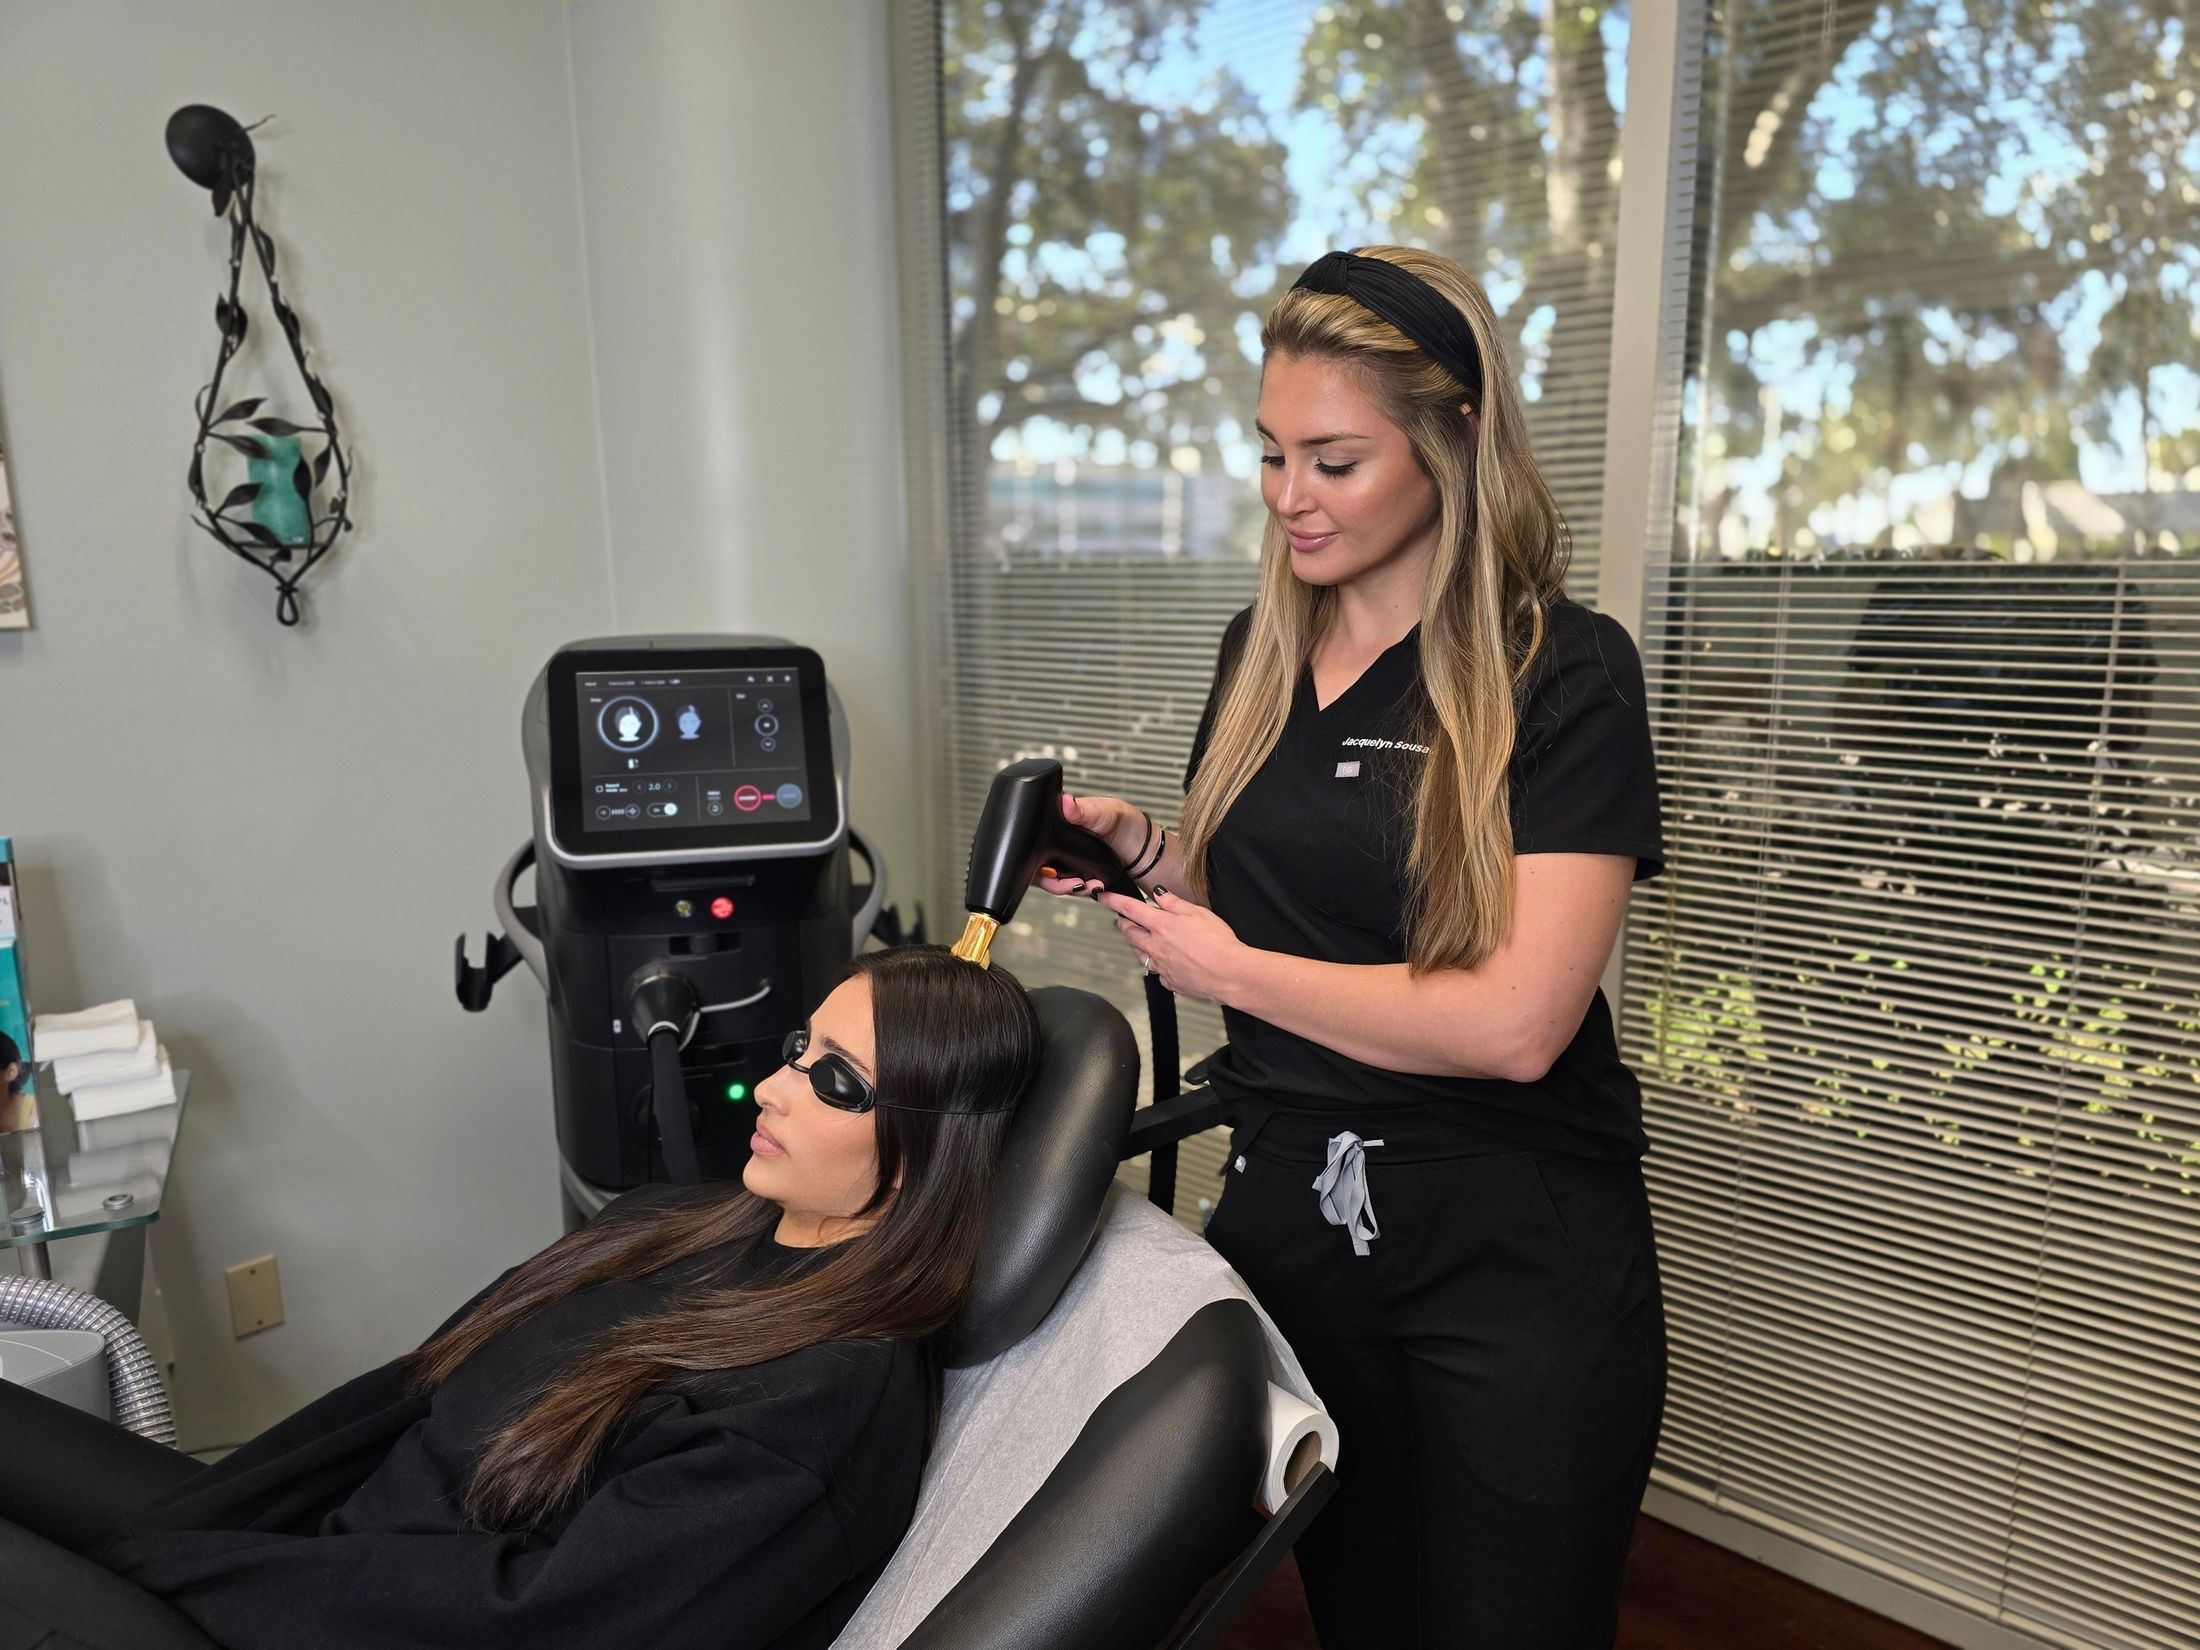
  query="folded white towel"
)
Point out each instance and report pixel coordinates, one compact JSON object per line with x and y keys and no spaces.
{"x":83,"y":1071}
{"x":132,"y":1128}
{"x":88,"y":1171}
{"x":111,"y":1028}
{"x":113,"y":1099}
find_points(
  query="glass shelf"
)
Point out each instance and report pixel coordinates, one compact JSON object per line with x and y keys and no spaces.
{"x":62,"y":1180}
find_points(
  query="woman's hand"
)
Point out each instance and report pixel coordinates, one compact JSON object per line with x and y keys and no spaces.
{"x":1118,"y":824}
{"x":1194,"y":951}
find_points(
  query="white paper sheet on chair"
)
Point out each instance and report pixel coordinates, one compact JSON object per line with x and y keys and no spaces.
{"x":1005,"y":1425}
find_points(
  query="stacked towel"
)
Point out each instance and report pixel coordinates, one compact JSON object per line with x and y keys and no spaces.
{"x":111,"y":1028}
{"x":132,"y":1129}
{"x":132,"y":1094}
{"x":106,"y":1059}
{"x":83,"y":1071}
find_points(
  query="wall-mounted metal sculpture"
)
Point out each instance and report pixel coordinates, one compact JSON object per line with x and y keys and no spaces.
{"x":293,"y":506}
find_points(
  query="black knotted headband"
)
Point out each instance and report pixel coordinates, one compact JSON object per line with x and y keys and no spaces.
{"x":1408,"y":303}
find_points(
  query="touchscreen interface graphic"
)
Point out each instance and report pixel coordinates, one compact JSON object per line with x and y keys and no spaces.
{"x":665,"y":750}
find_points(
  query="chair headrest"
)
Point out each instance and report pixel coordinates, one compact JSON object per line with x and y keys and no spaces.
{"x":1062,"y":1151}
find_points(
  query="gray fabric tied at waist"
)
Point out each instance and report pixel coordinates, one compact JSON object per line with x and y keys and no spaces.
{"x":1343,"y":1187}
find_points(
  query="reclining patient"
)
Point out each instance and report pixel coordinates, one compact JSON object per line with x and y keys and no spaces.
{"x":698,"y":1420}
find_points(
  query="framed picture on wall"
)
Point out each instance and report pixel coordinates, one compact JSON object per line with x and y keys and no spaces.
{"x":15,"y":612}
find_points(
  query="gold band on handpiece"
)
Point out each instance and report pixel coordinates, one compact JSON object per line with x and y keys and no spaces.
{"x":976,"y":944}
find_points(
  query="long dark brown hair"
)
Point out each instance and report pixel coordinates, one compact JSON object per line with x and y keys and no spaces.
{"x":956,"y":1046}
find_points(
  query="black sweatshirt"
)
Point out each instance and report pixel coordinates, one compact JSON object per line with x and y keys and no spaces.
{"x":1311,"y":861}
{"x":739,"y":1511}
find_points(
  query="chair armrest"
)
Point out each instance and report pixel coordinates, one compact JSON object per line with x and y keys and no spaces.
{"x":1155,"y":1131}
{"x":1179,"y":1117}
{"x":1200,"y":1070}
{"x":71,"y":1477}
{"x":1152,"y":1499}
{"x":58,"y":1598}
{"x":1235,"y":1587}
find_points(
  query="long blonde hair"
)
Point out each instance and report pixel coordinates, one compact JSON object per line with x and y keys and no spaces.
{"x":1500,"y":562}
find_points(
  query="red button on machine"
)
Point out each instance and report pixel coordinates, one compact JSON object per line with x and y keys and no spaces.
{"x":721,"y":908}
{"x":748,"y":799}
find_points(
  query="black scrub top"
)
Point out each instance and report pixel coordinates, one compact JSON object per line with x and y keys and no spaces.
{"x":738,"y":1510}
{"x":1311,"y":861}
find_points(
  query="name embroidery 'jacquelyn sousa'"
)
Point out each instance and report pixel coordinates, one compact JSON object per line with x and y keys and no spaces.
{"x":1385,"y":745}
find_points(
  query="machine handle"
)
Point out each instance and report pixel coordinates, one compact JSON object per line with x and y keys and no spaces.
{"x":519,"y":932}
{"x":750,"y":1001}
{"x":516,"y":944}
{"x":874,"y":901}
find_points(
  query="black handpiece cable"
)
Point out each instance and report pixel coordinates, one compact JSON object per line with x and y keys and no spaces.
{"x":664,"y":1010}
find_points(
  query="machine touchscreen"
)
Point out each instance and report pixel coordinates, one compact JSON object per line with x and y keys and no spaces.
{"x":663,"y":753}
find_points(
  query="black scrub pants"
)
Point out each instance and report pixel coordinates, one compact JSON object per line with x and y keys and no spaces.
{"x":1495,"y":1364}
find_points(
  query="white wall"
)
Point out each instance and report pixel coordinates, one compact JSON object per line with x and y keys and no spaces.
{"x":538,"y":247}
{"x":736,"y":163}
{"x":270,"y":838}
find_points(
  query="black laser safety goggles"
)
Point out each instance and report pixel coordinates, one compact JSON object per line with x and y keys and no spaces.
{"x":835,"y":1080}
{"x":832,"y":1078}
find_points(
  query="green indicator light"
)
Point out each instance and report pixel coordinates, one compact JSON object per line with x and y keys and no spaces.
{"x":737,"y":1091}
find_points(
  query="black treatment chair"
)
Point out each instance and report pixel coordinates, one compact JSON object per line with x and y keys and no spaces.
{"x":1145,"y":1536}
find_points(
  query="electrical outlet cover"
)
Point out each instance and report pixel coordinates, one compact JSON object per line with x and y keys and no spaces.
{"x":255,"y":1296}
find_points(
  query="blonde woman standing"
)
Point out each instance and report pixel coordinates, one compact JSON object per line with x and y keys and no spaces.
{"x":1419,"y":795}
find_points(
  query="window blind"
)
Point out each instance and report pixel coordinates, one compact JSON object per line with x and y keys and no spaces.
{"x":1124,"y":189}
{"x":1917,"y":1004}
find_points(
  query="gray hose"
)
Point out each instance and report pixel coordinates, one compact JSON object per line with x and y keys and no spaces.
{"x":133,"y":1378}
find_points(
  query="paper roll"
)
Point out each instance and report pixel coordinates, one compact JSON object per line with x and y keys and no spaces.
{"x":1298,"y":1436}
